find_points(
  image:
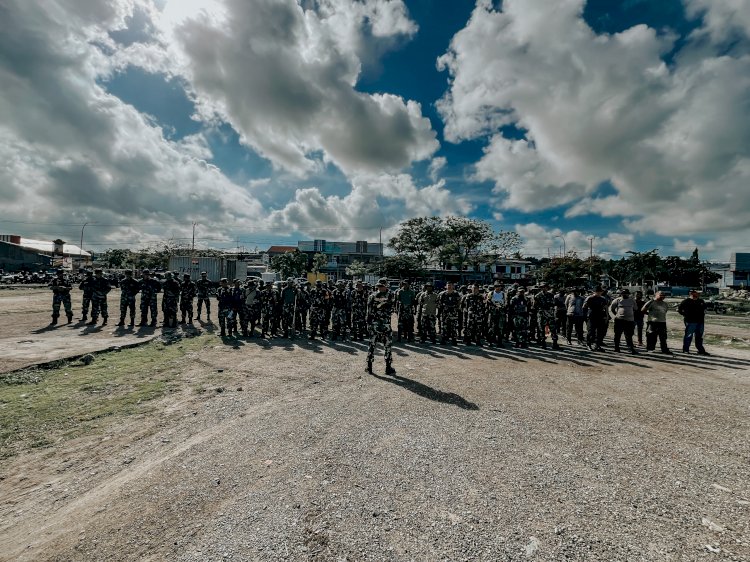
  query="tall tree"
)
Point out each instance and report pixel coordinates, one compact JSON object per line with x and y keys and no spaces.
{"x":421,"y":238}
{"x":290,"y":264}
{"x":319,"y":261}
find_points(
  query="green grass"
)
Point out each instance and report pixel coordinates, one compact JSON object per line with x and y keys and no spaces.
{"x":40,"y":407}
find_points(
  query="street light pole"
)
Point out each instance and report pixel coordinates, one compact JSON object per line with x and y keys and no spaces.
{"x":565,"y":251}
{"x":80,"y":247}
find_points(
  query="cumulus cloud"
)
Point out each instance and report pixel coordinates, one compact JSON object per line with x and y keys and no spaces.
{"x":376,"y":200}
{"x":540,"y":241}
{"x":671,"y":139}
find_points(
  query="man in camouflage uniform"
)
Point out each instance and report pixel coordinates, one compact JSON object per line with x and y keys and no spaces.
{"x":150,"y":287}
{"x":236,"y":307}
{"x":268,"y":306}
{"x":303,"y":305}
{"x":87,"y":286}
{"x":427,"y":305}
{"x":544,"y":303}
{"x":339,"y":311}
{"x":379,"y":311}
{"x":359,"y":312}
{"x":170,"y":300}
{"x":61,"y":288}
{"x":509,"y":296}
{"x":449,"y":304}
{"x":99,"y":298}
{"x":203,"y":291}
{"x":496,"y":305}
{"x":129,"y":288}
{"x":475,"y":310}
{"x":251,"y":310}
{"x":518,"y":310}
{"x":224,"y":301}
{"x":288,"y":308}
{"x":187,"y":295}
{"x":406,"y":303}
{"x":318,"y":303}
{"x":533,"y":313}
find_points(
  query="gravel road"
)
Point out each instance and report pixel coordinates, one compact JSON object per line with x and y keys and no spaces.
{"x":466,"y":454}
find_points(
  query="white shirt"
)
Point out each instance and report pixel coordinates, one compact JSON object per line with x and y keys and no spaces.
{"x":498,"y":297}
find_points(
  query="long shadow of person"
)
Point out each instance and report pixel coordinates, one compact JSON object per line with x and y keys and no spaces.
{"x":428,"y":392}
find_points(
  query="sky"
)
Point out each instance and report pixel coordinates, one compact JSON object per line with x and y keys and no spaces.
{"x":601,"y":125}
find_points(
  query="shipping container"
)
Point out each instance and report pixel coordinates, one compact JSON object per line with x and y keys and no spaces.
{"x":270,"y":276}
{"x":216,"y":268}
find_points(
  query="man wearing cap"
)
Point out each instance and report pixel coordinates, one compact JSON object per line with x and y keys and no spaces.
{"x":203,"y":291}
{"x":693,"y":311}
{"x":496,"y":317}
{"x":236,"y":308}
{"x":518,"y":311}
{"x":303,"y":306}
{"x":595,"y":308}
{"x":149,"y":289}
{"x":427,"y":306}
{"x":359,"y":312}
{"x":129,"y":288}
{"x":623,"y":309}
{"x":576,"y":315}
{"x":170,"y":300}
{"x":318,"y":303}
{"x":406,"y":301}
{"x":339,"y":311}
{"x":657,"y":309}
{"x":61,"y":288}
{"x":87,"y":286}
{"x":99,"y":298}
{"x":224,"y":302}
{"x":379,"y":311}
{"x":268,"y":307}
{"x":449,"y":305}
{"x":546,"y":316}
{"x":187,"y":295}
{"x":288,"y":308}
{"x":251,"y":309}
{"x":474,"y":307}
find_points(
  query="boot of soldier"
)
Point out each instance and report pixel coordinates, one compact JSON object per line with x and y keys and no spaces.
{"x":70,"y":318}
{"x":223,"y":333}
{"x":183,"y":319}
{"x":389,"y":370}
{"x":143,"y":322}
{"x":544,"y":344}
{"x":132,"y":321}
{"x":84,"y":318}
{"x":399,"y":335}
{"x":153,"y":323}
{"x":369,"y":367}
{"x":54,"y":321}
{"x":190,"y":319}
{"x":122,"y":321}
{"x":104,"y":322}
{"x":555,"y":346}
{"x":94,"y":319}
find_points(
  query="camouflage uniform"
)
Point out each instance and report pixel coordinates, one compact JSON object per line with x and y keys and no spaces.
{"x":61,"y":296}
{"x":268,"y":307}
{"x":359,"y":314}
{"x":251,"y":310}
{"x":129,"y":288}
{"x":170,"y":301}
{"x":496,"y":318}
{"x":406,"y":301}
{"x":475,"y":310}
{"x":379,"y":311}
{"x":318,"y":303}
{"x":427,"y":303}
{"x":288,"y":300}
{"x":87,"y":286}
{"x":303,"y":305}
{"x":236,"y":308}
{"x":149,"y":289}
{"x":544,"y":303}
{"x":339,"y":312}
{"x":533,"y":318}
{"x":99,"y":299}
{"x":187,"y":295}
{"x":449,"y":304}
{"x":203,"y":292}
{"x":224,"y":301}
{"x":519,"y":311}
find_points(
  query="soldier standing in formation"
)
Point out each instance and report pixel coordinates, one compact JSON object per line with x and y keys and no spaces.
{"x":99,"y":298}
{"x":318,"y":303}
{"x":288,"y":299}
{"x":518,"y":310}
{"x":544,"y":303}
{"x":61,"y":288}
{"x":496,"y":315}
{"x":170,"y":300}
{"x":268,"y":300}
{"x":251,"y":309}
{"x":405,"y":305}
{"x":129,"y":288}
{"x":203,"y":292}
{"x":150,"y":287}
{"x":623,"y":307}
{"x":475,"y":310}
{"x":449,"y":303}
{"x":379,"y":311}
{"x":224,"y":302}
{"x":339,"y":311}
{"x":427,"y":306}
{"x":87,"y":286}
{"x":595,"y":307}
{"x":187,"y":295}
{"x":359,"y":312}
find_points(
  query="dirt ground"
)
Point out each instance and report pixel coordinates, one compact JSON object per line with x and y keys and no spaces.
{"x":274,"y":450}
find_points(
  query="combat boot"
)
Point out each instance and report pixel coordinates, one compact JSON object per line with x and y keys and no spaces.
{"x":153,"y":324}
{"x":70,"y":318}
{"x":104,"y":322}
{"x":84,"y":318}
{"x":93,"y":322}
{"x":389,"y":370}
{"x":369,"y":367}
{"x":54,"y":321}
{"x":556,"y":346}
{"x":143,"y":322}
{"x":122,"y":321}
{"x":132,"y":321}
{"x":223,"y":333}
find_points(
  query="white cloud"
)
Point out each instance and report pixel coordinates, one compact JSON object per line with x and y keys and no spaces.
{"x":540,"y":241}
{"x":436,"y":166}
{"x":672,"y":140}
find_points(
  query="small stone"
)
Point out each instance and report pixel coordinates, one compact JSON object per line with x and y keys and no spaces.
{"x":720,"y":488}
{"x":713,"y":549}
{"x":219,"y":389}
{"x":711,"y":525}
{"x":239,"y":389}
{"x":217,"y":481}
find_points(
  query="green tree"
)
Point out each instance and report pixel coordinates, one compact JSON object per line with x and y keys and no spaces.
{"x":290,"y":264}
{"x":401,"y":267}
{"x":357,"y":269}
{"x":116,"y":258}
{"x":318,"y":262}
{"x":420,"y":238}
{"x":565,"y":271}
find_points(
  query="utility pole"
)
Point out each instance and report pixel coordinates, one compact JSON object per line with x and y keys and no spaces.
{"x":591,"y":258}
{"x":192,"y":247}
{"x":381,"y":250}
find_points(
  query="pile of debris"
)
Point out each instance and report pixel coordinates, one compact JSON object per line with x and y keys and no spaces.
{"x":736,"y":295}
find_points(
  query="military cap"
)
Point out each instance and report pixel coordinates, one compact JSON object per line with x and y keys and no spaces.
{"x":383,"y":281}
{"x":59,"y":271}
{"x":128,"y":273}
{"x":98,"y":270}
{"x":340,"y":282}
{"x":204,"y":273}
{"x":598,"y":289}
{"x":224,"y":280}
{"x":146,"y":271}
{"x":497,"y":284}
{"x":428,"y":284}
{"x":318,"y":281}
{"x":625,"y":292}
{"x":89,"y":272}
{"x":186,"y":275}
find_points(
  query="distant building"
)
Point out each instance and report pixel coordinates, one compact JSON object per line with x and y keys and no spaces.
{"x":739,"y":266}
{"x":341,"y":254}
{"x":506,"y":270}
{"x":27,"y":254}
